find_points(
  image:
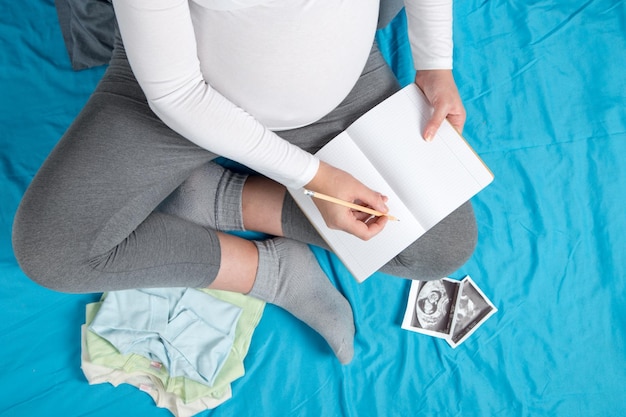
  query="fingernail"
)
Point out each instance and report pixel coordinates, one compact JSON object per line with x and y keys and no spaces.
{"x":428,"y":136}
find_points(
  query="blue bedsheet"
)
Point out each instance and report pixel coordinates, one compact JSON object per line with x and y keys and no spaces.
{"x":544,"y":85}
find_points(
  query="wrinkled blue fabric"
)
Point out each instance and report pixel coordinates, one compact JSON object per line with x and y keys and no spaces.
{"x":190,"y":332}
{"x":544,"y":87}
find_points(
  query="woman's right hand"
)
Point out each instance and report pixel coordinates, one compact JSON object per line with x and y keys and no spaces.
{"x":339,"y":184}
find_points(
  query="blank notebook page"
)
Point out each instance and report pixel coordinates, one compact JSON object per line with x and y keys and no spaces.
{"x":361,"y":257}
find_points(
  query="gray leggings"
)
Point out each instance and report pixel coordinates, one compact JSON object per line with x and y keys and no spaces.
{"x":87,"y":222}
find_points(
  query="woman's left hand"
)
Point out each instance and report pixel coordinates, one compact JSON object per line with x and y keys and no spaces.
{"x":441,"y":90}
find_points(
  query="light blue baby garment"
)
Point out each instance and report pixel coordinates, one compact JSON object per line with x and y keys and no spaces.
{"x":190,"y":332}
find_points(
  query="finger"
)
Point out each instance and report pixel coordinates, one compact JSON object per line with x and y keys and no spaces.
{"x":362,"y":217}
{"x":457,"y":121}
{"x":376,"y":226}
{"x":432,"y":126}
{"x":373,"y":200}
{"x":369,"y":229}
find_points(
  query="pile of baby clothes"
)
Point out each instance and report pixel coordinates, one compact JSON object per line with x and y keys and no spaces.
{"x":182,"y":346}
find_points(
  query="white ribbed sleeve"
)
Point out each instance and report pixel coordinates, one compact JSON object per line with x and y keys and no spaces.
{"x":430,"y":33}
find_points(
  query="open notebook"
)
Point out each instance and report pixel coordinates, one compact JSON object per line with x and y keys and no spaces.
{"x":425,"y":181}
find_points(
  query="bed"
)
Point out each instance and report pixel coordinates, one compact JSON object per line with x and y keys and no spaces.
{"x":545,"y":92}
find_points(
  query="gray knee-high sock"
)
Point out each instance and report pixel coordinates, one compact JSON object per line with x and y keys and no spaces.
{"x":211,"y":197}
{"x":290,"y":277}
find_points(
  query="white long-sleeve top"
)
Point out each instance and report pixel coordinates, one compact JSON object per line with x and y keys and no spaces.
{"x":227,"y":74}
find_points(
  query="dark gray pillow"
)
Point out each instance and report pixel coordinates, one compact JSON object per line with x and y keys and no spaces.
{"x":88,"y":28}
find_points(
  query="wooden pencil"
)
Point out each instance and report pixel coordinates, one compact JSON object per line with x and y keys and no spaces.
{"x":349,"y":205}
